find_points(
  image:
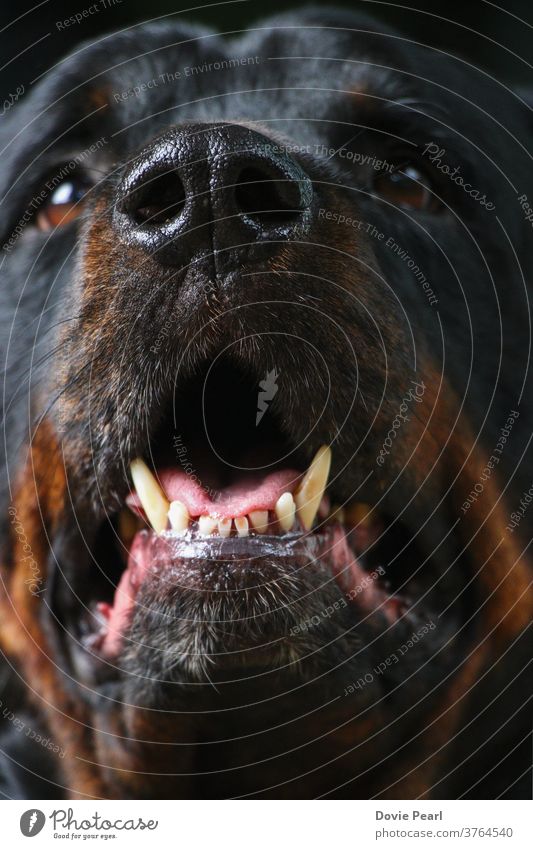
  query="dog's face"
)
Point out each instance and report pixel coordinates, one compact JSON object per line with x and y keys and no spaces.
{"x":262,"y":329}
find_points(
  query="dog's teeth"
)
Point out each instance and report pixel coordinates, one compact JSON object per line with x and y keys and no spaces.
{"x":259,"y":521}
{"x":241,"y":523}
{"x":151,"y":496}
{"x":224,"y":527}
{"x":311,"y":489}
{"x":285,"y":511}
{"x":178,"y":516}
{"x":207,"y":525}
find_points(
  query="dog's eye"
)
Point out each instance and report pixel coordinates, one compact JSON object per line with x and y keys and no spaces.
{"x":408,"y":187}
{"x":63,"y":204}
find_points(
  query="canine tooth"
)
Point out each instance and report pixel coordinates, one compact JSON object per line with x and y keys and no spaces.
{"x":207,"y":525}
{"x":311,"y":489}
{"x":224,"y":527}
{"x":241,"y":523}
{"x":150,"y":494}
{"x":178,"y":516}
{"x":285,"y":511}
{"x":259,"y":520}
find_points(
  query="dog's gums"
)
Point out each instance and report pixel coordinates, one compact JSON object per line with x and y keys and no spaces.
{"x":284,"y":494}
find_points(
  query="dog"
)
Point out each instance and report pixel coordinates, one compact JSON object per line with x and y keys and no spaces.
{"x":267,"y":414}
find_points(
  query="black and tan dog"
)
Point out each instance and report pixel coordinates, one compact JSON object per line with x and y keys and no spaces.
{"x":267,"y":417}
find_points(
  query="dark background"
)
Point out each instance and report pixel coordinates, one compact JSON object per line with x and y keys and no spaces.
{"x":500,"y":40}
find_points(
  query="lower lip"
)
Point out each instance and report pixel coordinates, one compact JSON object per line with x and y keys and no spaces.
{"x":171,"y":556}
{"x":161,"y":550}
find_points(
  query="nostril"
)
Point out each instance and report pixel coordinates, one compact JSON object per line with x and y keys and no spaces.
{"x":157,"y":201}
{"x":260,"y":195}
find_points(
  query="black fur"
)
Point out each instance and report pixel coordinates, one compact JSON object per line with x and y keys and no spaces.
{"x":317,"y":79}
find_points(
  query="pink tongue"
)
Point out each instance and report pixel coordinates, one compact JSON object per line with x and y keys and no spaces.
{"x":252,"y":491}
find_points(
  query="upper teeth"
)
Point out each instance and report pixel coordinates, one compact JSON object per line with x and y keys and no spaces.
{"x":259,"y":520}
{"x":150,"y":494}
{"x":206,"y":525}
{"x":241,"y":524}
{"x":224,"y":527}
{"x":178,"y":516}
{"x":304,"y":504}
{"x":285,"y":511}
{"x":312,"y":486}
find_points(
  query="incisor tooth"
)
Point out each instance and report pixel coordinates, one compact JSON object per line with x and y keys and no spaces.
{"x":259,"y":520}
{"x":285,"y":511}
{"x":151,"y":496}
{"x":224,"y":527}
{"x":206,"y":525}
{"x":311,"y":489}
{"x":178,"y":516}
{"x":241,"y":523}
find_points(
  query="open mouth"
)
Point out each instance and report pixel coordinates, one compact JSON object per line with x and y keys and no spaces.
{"x":282,"y":515}
{"x":221,"y":504}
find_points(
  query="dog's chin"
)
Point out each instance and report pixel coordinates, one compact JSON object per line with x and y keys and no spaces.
{"x":210,"y":610}
{"x":263,"y":624}
{"x":264,"y":614}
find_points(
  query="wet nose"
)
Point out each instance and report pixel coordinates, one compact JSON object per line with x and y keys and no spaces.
{"x":223,"y":177}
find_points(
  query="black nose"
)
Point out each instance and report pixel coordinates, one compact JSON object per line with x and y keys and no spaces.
{"x":224,"y":181}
